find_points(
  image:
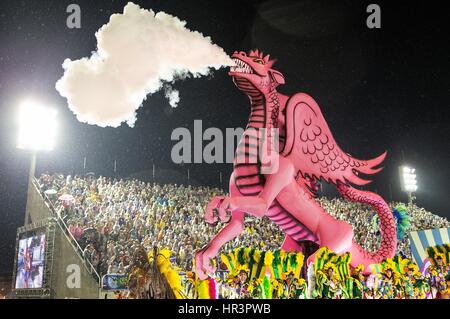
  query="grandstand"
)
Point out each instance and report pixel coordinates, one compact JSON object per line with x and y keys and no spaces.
{"x":104,"y":220}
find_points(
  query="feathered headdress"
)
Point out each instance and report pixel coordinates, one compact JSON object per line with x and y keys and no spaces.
{"x":358,"y":269}
{"x":329,"y":265}
{"x":341,"y":263}
{"x":402,"y":218}
{"x":439,"y":251}
{"x":387,"y":266}
{"x":413,"y":267}
{"x":243,"y":268}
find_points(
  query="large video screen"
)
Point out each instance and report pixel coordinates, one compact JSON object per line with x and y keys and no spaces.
{"x":30,"y":262}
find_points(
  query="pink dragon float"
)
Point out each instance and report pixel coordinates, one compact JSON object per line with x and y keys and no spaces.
{"x":305,"y":152}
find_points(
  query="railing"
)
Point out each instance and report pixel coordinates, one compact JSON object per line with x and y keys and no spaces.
{"x":63,"y":226}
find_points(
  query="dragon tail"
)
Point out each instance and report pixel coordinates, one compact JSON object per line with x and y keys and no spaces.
{"x":388,"y":231}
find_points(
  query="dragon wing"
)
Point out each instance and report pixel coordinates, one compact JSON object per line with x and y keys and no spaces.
{"x":313,"y":149}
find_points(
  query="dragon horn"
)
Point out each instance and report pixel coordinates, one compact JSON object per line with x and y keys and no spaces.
{"x":271,"y":62}
{"x":267,"y":58}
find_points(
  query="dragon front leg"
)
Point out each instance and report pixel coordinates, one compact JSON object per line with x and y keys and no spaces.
{"x":203,"y":266}
{"x":237,"y":205}
{"x":234,"y":228}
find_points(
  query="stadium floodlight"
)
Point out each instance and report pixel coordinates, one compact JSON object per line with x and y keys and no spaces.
{"x":37,"y":132}
{"x":408,"y":180}
{"x":37,"y":127}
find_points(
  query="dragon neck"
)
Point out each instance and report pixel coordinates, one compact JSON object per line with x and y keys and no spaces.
{"x":264,"y":115}
{"x":271,"y":107}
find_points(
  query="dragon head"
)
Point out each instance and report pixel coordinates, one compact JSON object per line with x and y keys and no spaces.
{"x":255,"y":68}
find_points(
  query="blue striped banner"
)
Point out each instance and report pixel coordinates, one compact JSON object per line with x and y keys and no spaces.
{"x":422,"y":239}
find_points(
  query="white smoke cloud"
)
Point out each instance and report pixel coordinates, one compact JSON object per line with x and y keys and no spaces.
{"x":172,"y":95}
{"x":137,"y":52}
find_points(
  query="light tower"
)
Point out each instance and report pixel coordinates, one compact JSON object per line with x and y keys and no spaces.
{"x":408,"y":181}
{"x":37,"y":132}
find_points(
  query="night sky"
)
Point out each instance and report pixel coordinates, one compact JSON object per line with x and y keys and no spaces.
{"x":385,"y":89}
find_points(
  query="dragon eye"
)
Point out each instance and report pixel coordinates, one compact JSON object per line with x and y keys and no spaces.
{"x":258,"y":61}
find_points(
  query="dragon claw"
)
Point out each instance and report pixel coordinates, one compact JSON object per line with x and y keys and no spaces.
{"x":225,"y":210}
{"x":207,"y":266}
{"x":203,"y":264}
{"x":228,"y":215}
{"x":199,"y":266}
{"x":212,"y":212}
{"x":218,"y":209}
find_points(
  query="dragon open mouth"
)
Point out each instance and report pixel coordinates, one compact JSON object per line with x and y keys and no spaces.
{"x":241,"y":66}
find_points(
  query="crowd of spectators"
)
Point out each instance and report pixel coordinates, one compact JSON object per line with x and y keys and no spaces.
{"x":111,"y":218}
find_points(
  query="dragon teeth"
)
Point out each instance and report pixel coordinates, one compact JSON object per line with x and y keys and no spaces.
{"x":241,"y":66}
